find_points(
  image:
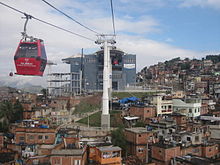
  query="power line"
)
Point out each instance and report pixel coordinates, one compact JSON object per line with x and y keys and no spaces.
{"x":113,"y":17}
{"x":45,"y":22}
{"x":70,"y":17}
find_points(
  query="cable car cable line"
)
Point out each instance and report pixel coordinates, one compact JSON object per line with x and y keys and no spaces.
{"x":62,"y":29}
{"x":45,"y":22}
{"x":70,"y":17}
{"x":113,"y":17}
{"x":19,"y":11}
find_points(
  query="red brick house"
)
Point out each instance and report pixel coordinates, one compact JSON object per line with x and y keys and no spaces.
{"x":210,"y":150}
{"x":34,"y":135}
{"x":181,"y":120}
{"x":143,"y":112}
{"x":70,"y":152}
{"x":138,"y":139}
{"x":163,"y":153}
{"x":68,"y":157}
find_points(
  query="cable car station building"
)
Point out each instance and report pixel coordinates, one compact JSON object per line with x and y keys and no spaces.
{"x":87,"y":71}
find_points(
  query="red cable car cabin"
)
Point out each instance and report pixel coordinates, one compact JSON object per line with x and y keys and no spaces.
{"x":30,"y":58}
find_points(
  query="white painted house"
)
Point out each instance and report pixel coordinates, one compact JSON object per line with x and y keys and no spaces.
{"x":163,"y":105}
{"x":190,"y":107}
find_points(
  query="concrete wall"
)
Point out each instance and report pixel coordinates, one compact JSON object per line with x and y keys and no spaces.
{"x":215,"y":131}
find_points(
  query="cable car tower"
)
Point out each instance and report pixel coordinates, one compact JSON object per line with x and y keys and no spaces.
{"x":107,"y":41}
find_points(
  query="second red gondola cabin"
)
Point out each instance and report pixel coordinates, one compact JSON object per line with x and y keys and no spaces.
{"x":30,"y":58}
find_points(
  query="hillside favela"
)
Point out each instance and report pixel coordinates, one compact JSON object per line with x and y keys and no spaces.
{"x":110,"y":82}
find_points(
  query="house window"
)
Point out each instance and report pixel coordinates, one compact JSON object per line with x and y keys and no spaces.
{"x":195,"y":150}
{"x":115,"y":154}
{"x":46,"y":137}
{"x":210,"y":149}
{"x":77,"y":162}
{"x":190,"y":110}
{"x":40,"y":137}
{"x":170,"y":130}
{"x":106,"y":155}
{"x":139,"y":135}
{"x":57,"y":161}
{"x":188,"y":138}
{"x":31,"y":137}
{"x":140,"y":150}
{"x":197,"y":138}
{"x":21,"y":138}
{"x":216,"y":147}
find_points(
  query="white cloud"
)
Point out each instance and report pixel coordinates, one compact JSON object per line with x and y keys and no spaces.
{"x":169,"y":40}
{"x":201,"y":3}
{"x":150,"y":52}
{"x":143,"y":25}
{"x":140,"y":6}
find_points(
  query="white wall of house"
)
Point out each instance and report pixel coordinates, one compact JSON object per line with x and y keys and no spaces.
{"x":188,"y":109}
{"x":162,"y":106}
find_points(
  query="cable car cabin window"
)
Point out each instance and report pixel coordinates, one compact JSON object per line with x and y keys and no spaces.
{"x":27,"y":50}
{"x":43,"y":52}
{"x":43,"y":65}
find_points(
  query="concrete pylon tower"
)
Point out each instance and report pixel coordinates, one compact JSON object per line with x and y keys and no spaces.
{"x":105,"y":118}
{"x":110,"y":73}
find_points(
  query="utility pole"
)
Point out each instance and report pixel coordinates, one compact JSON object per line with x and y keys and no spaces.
{"x":105,"y":40}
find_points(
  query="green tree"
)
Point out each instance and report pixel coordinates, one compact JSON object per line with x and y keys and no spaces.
{"x":17,"y":111}
{"x":118,"y":139}
{"x":185,"y":66}
{"x":6,"y":113}
{"x":9,"y":113}
{"x":43,"y":97}
{"x":140,"y":124}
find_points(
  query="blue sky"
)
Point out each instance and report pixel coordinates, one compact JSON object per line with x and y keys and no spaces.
{"x":195,"y":27}
{"x":154,"y":30}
